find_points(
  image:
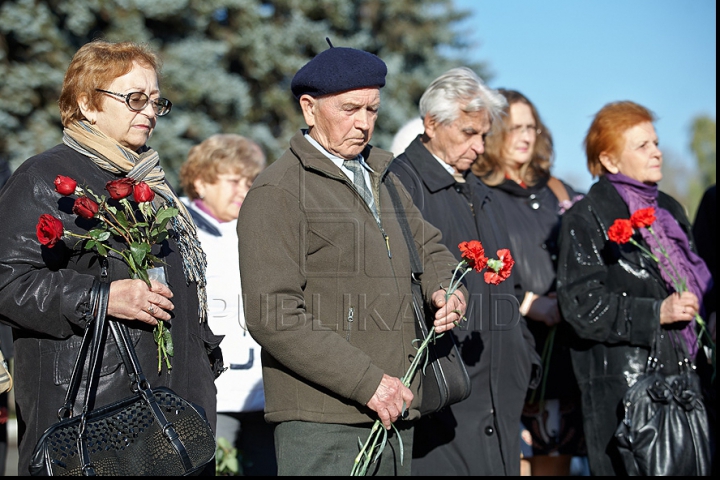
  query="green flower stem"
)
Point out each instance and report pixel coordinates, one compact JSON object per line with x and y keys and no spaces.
{"x":375,"y":443}
{"x":680,"y":285}
{"x":545,"y":359}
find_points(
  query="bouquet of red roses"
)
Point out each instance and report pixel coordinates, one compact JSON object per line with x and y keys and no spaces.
{"x":139,"y":229}
{"x":473,"y":258}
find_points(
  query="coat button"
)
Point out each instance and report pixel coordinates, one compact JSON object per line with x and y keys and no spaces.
{"x":489,"y":431}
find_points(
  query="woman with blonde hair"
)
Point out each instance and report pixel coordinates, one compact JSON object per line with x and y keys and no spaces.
{"x":216,"y":177}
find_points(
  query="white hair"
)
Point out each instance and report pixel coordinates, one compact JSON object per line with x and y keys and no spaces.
{"x":459,"y":89}
{"x":407,"y":133}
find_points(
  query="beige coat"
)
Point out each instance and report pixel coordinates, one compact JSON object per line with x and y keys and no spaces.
{"x":326,"y":298}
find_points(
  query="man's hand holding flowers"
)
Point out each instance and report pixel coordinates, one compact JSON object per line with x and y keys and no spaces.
{"x":449,"y":312}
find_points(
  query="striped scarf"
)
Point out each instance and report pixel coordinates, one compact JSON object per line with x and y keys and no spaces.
{"x":113,"y":157}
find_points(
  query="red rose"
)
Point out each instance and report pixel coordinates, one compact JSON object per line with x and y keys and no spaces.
{"x":500,"y":268}
{"x":85,"y":208}
{"x":621,"y":231}
{"x":120,"y":188}
{"x":65,"y":185}
{"x":49,"y":230}
{"x":143,"y":193}
{"x":643,"y":217}
{"x":474,"y":254}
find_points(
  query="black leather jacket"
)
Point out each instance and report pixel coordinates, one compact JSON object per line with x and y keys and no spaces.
{"x":611,"y":295}
{"x":44,"y":296}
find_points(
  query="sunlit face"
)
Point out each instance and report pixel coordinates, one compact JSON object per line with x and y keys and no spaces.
{"x":460,"y":143}
{"x":640,"y":158}
{"x":342,"y":123}
{"x":116,"y":120}
{"x":520,"y":138}
{"x":224,"y":197}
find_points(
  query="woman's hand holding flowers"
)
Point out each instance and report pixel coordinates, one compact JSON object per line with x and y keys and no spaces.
{"x":679,"y":308}
{"x":130,"y":299}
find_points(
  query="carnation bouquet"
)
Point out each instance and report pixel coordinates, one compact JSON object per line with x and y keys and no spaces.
{"x":621,"y":232}
{"x":138,"y":228}
{"x":473,"y":258}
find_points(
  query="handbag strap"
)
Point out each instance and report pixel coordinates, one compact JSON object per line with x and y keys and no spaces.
{"x":93,"y":343}
{"x":415,"y":263}
{"x":76,"y":377}
{"x":558,"y":189}
{"x":140,"y":384}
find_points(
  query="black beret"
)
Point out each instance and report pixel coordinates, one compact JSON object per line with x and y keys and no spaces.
{"x":338,"y":69}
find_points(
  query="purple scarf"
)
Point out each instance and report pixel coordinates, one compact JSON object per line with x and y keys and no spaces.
{"x":690,"y":266}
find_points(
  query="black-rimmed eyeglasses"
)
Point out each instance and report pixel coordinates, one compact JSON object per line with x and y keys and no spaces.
{"x":137,"y":101}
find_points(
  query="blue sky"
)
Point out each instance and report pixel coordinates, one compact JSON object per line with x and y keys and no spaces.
{"x":571,"y":57}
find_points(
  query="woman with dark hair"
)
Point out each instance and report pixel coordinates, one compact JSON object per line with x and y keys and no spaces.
{"x":620,"y":301}
{"x":516,"y":165}
{"x":110,"y":104}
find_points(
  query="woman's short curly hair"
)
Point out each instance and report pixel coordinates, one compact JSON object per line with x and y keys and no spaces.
{"x":95,"y":66}
{"x":490,"y":166}
{"x":605,"y":135}
{"x":218,"y":154}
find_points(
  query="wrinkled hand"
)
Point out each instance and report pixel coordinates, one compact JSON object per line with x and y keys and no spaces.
{"x":447,"y":315}
{"x":545,"y":309}
{"x":133,"y":300}
{"x":389,"y":398}
{"x":679,"y":308}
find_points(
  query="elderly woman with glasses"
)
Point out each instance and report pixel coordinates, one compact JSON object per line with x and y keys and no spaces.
{"x":516,"y":165}
{"x":109,"y":105}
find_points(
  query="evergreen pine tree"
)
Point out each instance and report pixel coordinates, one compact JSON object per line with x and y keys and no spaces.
{"x":227,"y":64}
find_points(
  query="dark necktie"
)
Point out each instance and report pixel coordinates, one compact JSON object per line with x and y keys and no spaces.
{"x":359,"y":183}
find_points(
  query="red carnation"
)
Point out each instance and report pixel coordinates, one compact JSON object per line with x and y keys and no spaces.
{"x":120,"y":188}
{"x":49,"y":230}
{"x":621,"y":231}
{"x":474,"y":254}
{"x":643,"y":217}
{"x":65,"y":185}
{"x":501,"y":268}
{"x":85,"y":208}
{"x":143,"y":193}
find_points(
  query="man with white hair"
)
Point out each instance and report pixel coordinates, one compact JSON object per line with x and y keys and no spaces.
{"x":480,"y":435}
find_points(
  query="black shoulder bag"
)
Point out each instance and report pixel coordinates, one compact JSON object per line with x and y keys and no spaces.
{"x":153,"y":432}
{"x":665,"y":430}
{"x":446,"y":379}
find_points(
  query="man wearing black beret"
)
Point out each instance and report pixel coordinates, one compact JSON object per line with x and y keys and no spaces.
{"x":327,"y":277}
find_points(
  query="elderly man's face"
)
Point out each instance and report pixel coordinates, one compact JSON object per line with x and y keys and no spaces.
{"x":459,"y":143}
{"x":342,"y":123}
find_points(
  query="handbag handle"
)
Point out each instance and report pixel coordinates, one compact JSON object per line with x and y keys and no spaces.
{"x":93,"y":342}
{"x":76,"y":377}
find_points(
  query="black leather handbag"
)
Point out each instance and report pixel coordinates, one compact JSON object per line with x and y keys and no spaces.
{"x":665,"y":430}
{"x":446,"y":379}
{"x":153,"y":432}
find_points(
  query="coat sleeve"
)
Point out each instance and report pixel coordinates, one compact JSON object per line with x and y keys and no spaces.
{"x":39,"y":290}
{"x":270,"y":251}
{"x":589,"y":298}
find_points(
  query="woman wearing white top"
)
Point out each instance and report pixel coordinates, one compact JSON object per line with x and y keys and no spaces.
{"x":215,"y":178}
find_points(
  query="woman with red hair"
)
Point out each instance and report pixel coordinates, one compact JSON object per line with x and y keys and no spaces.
{"x":614,"y":296}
